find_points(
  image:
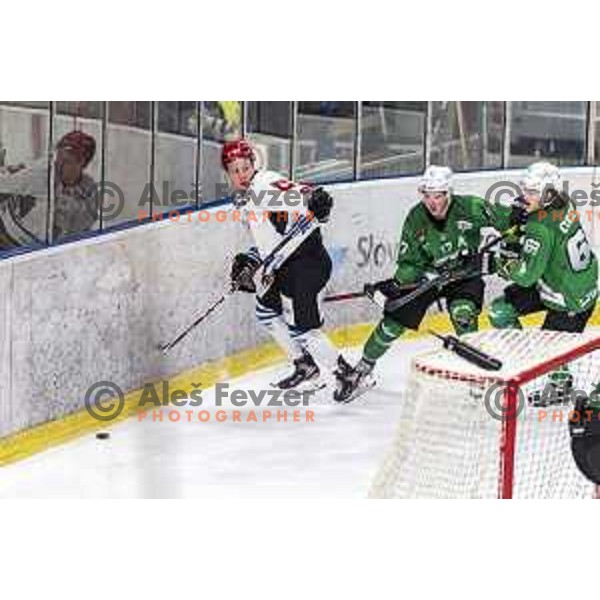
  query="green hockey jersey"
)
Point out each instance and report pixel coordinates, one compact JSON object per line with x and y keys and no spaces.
{"x":428,"y":245}
{"x":558,"y":259}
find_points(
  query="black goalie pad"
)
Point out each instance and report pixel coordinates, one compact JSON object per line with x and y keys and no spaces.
{"x":586,"y":453}
{"x":585,"y":443}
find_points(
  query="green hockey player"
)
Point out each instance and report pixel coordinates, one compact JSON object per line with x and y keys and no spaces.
{"x":442,"y":233}
{"x":554,"y":271}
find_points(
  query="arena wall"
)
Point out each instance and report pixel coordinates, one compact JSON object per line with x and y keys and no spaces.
{"x":97,"y":309}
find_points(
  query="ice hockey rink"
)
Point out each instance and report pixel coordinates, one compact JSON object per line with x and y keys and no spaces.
{"x":333,"y":457}
{"x":99,"y":308}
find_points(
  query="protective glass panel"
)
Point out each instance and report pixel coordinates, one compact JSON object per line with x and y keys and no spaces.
{"x":325,"y":143}
{"x":467,"y":135}
{"x":128,"y":158}
{"x":270,"y":129}
{"x":221,"y":121}
{"x":77,"y":171}
{"x":24,"y":174}
{"x":176,"y":150}
{"x":555,"y":131}
{"x":392,"y":138}
{"x":595,"y":132}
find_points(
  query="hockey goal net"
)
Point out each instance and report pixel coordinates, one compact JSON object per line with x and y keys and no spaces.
{"x":469,"y":433}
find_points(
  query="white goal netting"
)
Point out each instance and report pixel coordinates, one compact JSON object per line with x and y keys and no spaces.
{"x":461,"y":434}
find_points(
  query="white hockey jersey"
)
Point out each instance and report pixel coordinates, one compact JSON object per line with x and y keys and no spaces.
{"x":273,"y":204}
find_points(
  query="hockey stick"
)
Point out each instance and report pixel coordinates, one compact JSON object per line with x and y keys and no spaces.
{"x":166,"y":347}
{"x":346,"y":296}
{"x":449,"y":276}
{"x":298,"y":233}
{"x":363,"y":293}
{"x":469,"y":353}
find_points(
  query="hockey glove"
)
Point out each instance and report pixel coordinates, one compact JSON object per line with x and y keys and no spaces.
{"x":320,"y":204}
{"x":518,"y":214}
{"x":509,"y":250}
{"x":382,"y":291}
{"x":243,"y":269}
{"x":505,"y":267}
{"x":469,"y":261}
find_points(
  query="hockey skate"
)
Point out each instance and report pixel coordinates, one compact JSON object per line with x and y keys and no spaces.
{"x":353,"y":382}
{"x":343,"y":367}
{"x":306,"y":375}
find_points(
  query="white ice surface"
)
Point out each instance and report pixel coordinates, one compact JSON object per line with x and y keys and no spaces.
{"x":336,"y":456}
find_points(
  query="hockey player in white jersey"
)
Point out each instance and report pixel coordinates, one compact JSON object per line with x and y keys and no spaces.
{"x":289,"y":305}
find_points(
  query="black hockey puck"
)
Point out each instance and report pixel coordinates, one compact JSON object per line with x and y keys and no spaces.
{"x":102,"y":435}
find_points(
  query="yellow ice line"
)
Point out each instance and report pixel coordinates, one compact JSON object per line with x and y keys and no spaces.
{"x":39,"y":438}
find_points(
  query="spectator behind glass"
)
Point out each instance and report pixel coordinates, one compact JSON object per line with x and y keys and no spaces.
{"x":23,"y":194}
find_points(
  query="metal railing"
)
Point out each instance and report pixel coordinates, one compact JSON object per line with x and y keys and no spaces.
{"x":329,"y":148}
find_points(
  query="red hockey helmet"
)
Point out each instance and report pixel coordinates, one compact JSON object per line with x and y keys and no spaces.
{"x":79,"y":143}
{"x":236,"y":149}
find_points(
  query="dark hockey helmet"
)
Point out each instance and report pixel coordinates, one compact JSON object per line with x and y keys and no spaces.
{"x":237,"y":149}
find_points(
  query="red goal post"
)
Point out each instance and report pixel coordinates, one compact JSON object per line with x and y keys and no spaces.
{"x":467,"y":432}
